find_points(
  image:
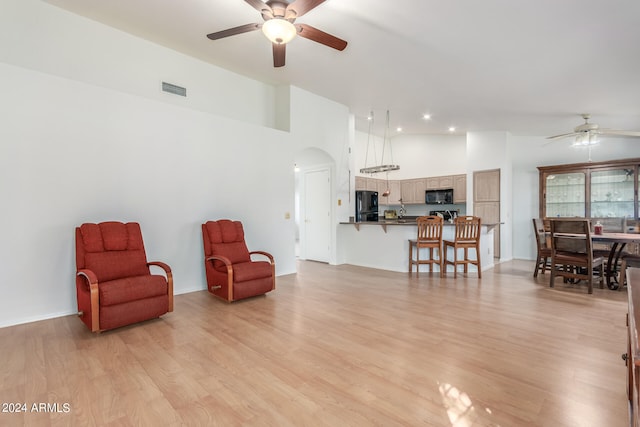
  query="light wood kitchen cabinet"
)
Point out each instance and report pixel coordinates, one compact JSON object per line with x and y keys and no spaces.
{"x":364,"y":183}
{"x":394,"y":195}
{"x":459,"y":188}
{"x":433,"y":183}
{"x":486,"y":202}
{"x":486,"y":186}
{"x":439,"y":182}
{"x":413,"y":190}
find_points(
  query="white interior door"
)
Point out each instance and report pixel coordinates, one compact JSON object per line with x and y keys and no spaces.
{"x":317,"y":215}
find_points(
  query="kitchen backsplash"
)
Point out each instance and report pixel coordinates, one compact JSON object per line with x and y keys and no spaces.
{"x":420,"y":210}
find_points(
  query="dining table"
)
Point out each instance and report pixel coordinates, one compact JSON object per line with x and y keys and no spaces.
{"x":618,"y":242}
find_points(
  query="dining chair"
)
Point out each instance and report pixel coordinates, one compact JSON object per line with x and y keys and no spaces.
{"x":572,"y":252}
{"x":543,"y":260}
{"x":467,"y":236}
{"x":429,"y":237}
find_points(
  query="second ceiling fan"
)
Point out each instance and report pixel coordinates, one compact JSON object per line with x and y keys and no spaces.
{"x":279,"y":17}
{"x":587,"y":133}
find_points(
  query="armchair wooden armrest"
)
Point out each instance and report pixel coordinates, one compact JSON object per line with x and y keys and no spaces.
{"x":169,"y":274}
{"x":89,"y":276}
{"x":92,"y":283}
{"x":267,"y":254}
{"x":271,"y":260}
{"x":227,"y":263}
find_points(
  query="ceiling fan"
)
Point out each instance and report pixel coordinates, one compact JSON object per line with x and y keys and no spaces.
{"x":278,"y":26}
{"x":587,"y":133}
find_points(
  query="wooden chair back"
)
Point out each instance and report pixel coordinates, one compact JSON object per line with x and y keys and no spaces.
{"x":429,"y":229}
{"x":467,"y":228}
{"x":541,"y":235}
{"x":572,"y":252}
{"x":571,"y":236}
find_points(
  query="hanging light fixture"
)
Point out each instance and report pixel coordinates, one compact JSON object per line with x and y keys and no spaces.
{"x":382,"y":167}
{"x":279,"y":30}
{"x":587,"y":139}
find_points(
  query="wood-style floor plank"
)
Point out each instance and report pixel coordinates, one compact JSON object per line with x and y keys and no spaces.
{"x":338,"y":345}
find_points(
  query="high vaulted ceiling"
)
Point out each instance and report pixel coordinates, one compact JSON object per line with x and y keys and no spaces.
{"x":529,"y":68}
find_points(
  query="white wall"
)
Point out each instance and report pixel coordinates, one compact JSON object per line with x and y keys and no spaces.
{"x":83,"y":141}
{"x":417,"y":155}
{"x":39,"y":36}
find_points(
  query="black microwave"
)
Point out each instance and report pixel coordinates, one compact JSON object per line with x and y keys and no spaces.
{"x":439,"y":197}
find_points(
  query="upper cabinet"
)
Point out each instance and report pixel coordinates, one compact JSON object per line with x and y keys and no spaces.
{"x":395,"y":192}
{"x":486,"y":186}
{"x":364,"y":183}
{"x":413,"y":190}
{"x":459,"y":188}
{"x":439,"y":182}
{"x":602,"y":189}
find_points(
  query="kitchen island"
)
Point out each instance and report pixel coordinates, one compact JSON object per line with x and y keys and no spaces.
{"x":384,"y":244}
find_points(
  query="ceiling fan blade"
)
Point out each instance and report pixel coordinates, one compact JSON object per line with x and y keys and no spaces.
{"x":279,"y":51}
{"x":614,"y":132}
{"x":300,"y":7}
{"x":233,"y":31}
{"x":311,"y":33}
{"x":261,"y":7}
{"x":564,"y":135}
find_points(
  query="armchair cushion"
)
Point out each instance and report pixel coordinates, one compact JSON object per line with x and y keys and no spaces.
{"x":112,"y":250}
{"x":245,"y":271}
{"x":117,"y":264}
{"x":131,"y":289}
{"x":227,"y":239}
{"x":111,"y":236}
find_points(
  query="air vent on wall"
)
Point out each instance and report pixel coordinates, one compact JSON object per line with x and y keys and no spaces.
{"x":176,"y":90}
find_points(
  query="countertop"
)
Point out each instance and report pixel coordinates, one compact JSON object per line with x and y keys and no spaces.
{"x":406,"y":221}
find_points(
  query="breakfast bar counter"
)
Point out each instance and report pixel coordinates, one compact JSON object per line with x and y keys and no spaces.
{"x":384,"y":244}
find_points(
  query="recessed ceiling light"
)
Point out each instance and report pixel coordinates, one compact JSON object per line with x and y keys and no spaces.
{"x":426,"y":116}
{"x":399,"y":129}
{"x":452,"y":129}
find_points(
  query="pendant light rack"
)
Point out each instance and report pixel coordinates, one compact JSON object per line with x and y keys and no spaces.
{"x":382,"y":167}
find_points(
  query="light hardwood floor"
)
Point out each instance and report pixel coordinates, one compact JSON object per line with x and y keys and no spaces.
{"x":338,"y":346}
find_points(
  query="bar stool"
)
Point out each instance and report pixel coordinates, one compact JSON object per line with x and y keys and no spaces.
{"x":467,"y":237}
{"x":430,"y":237}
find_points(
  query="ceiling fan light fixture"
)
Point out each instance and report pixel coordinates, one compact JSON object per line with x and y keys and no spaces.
{"x":279,"y":30}
{"x":586,"y":139}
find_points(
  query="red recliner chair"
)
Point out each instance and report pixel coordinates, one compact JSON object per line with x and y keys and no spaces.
{"x":231,"y":273}
{"x":114,"y":284}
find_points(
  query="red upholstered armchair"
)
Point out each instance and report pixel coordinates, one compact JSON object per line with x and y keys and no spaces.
{"x":114,"y":284}
{"x":231,"y":273}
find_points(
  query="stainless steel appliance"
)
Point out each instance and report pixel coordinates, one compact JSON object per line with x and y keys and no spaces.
{"x":366,"y":205}
{"x":446,"y":215}
{"x":439,"y":197}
